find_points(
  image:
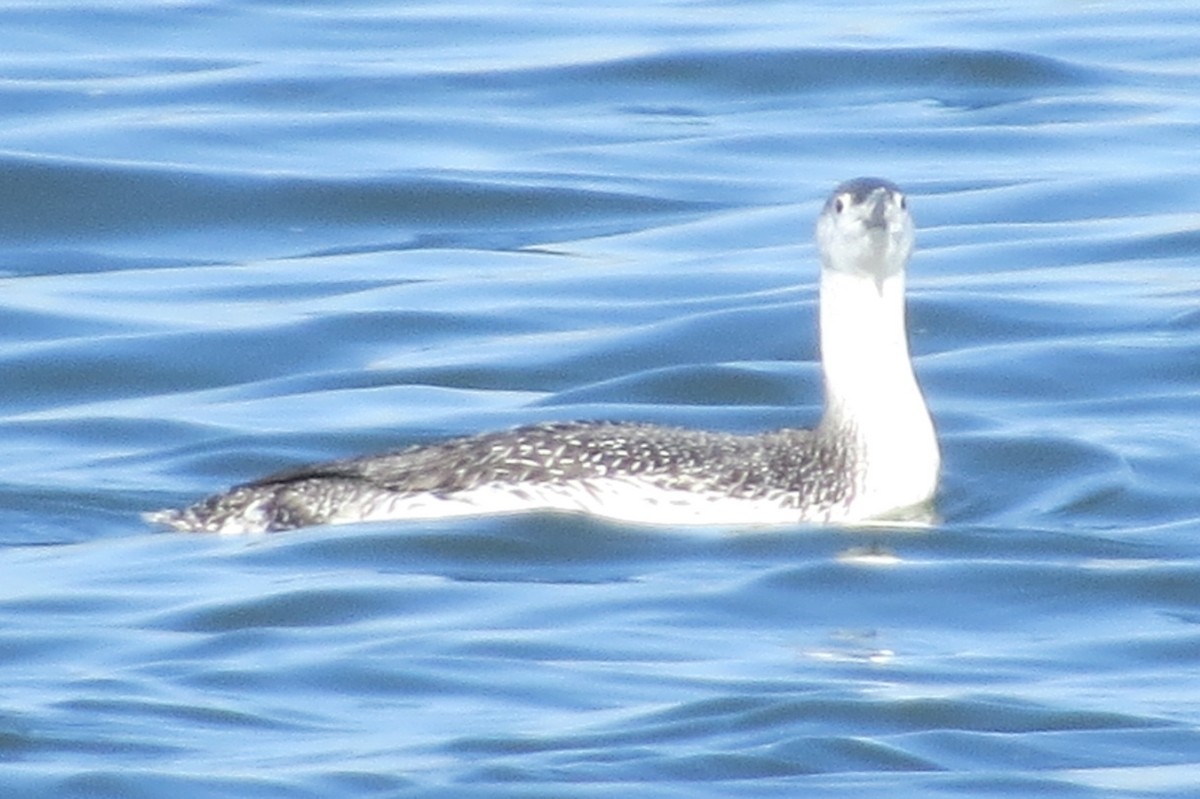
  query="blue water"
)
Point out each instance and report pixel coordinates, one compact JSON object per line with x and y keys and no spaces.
{"x":236,"y":236}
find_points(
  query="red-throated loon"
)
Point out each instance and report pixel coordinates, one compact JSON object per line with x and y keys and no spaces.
{"x":873,"y":454}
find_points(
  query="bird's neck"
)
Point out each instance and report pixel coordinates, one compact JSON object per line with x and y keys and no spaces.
{"x":871,"y":394}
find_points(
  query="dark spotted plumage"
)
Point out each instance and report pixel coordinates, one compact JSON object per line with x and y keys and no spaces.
{"x":786,"y":467}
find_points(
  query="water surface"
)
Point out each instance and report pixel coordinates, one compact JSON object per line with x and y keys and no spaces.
{"x":240,"y":236}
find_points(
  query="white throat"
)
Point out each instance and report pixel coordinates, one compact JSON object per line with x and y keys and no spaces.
{"x":871,"y":393}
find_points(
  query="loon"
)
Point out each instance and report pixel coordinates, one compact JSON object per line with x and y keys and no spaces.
{"x":874,"y":454}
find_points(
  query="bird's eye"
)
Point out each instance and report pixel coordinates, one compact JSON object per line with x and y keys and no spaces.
{"x":839,"y":205}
